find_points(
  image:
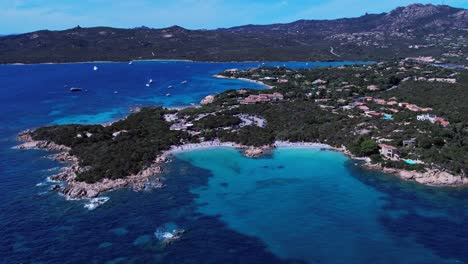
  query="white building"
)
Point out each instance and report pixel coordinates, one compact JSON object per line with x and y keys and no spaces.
{"x":427,"y":117}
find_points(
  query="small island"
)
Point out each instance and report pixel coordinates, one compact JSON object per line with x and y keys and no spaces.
{"x":397,"y":116}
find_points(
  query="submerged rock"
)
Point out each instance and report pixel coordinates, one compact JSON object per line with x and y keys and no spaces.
{"x":169,"y":237}
{"x":168,"y":233}
{"x":119,"y":231}
{"x":105,"y":245}
{"x":142,"y":240}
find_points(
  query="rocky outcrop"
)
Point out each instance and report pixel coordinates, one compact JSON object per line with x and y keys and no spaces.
{"x":162,"y":159}
{"x":435,"y":17}
{"x":432,"y":177}
{"x":77,"y":190}
{"x":29,"y":143}
{"x":255,"y":152}
{"x":208,"y":100}
{"x":172,"y":237}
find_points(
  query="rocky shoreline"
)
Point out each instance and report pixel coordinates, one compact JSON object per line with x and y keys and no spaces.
{"x":431,"y":177}
{"x":74,"y":189}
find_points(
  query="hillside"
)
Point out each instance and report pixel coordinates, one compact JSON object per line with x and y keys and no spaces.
{"x":415,"y":30}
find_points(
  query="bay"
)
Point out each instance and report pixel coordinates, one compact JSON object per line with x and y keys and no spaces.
{"x":296,"y":205}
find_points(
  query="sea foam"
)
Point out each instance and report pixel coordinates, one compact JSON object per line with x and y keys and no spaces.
{"x":95,"y":202}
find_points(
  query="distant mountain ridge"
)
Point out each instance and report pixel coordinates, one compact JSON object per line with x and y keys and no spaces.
{"x":414,"y":30}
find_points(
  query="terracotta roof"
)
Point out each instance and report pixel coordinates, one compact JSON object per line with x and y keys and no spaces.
{"x":372,"y":113}
{"x":363,"y":107}
{"x":385,"y":146}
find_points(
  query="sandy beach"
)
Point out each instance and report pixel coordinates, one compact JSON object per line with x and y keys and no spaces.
{"x":218,"y":144}
{"x":244,"y":79}
{"x":203,"y":145}
{"x":287,"y":144}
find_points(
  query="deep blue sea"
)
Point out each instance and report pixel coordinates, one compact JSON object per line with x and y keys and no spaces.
{"x":294,"y":206}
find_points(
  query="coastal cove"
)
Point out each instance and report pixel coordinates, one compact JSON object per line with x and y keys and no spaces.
{"x":144,"y":136}
{"x":214,"y":193}
{"x":310,"y":195}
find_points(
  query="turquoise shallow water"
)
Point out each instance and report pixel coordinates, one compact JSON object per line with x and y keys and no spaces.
{"x":293,"y":207}
{"x":306,"y":204}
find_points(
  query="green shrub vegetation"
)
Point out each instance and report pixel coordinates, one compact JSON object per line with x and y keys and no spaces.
{"x":297,"y":118}
{"x":115,"y":157}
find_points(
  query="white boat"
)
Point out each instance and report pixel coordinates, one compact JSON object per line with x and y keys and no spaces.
{"x":75,"y":89}
{"x":150,"y":82}
{"x":169,"y":87}
{"x":130,"y":63}
{"x":184,"y":82}
{"x":95,"y":68}
{"x":168,"y":94}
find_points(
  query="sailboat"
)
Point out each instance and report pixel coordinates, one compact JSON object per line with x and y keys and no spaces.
{"x":150,"y":82}
{"x":95,"y":68}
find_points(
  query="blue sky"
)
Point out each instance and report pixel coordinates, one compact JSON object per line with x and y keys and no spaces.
{"x":17,"y":16}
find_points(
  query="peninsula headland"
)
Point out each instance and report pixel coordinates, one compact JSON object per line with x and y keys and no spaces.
{"x":371,"y":112}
